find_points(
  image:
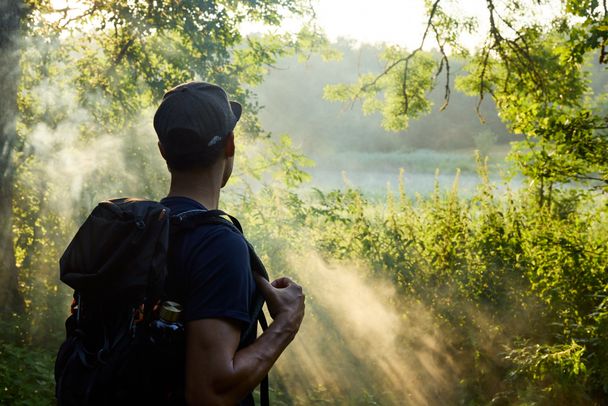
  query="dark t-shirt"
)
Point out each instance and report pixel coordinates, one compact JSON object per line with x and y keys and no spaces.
{"x":210,"y":272}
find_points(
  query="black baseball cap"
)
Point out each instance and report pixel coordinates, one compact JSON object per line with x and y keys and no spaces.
{"x":193,"y":117}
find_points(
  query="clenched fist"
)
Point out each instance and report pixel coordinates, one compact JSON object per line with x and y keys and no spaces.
{"x":285,"y":300}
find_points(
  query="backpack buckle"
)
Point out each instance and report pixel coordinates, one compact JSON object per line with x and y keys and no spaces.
{"x":78,"y":307}
{"x":101,"y":354}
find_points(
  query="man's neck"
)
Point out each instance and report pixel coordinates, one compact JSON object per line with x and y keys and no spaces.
{"x":202,"y":186}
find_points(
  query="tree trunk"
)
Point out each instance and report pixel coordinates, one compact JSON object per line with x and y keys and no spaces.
{"x":11,"y":14}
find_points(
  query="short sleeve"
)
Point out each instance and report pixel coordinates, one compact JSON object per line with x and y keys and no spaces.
{"x":220,"y":283}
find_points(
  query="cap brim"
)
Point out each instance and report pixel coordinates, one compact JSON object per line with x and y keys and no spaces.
{"x":237,"y":109}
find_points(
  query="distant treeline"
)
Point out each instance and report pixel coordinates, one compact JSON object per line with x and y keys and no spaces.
{"x":292,"y":96}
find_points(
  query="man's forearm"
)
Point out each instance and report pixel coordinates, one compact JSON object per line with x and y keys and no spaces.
{"x":252,"y":363}
{"x":218,"y":374}
{"x":232,"y":381}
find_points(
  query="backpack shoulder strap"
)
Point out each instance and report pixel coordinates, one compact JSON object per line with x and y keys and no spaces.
{"x":194,"y":218}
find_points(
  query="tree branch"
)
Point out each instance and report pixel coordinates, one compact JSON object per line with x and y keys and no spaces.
{"x":484,"y":67}
{"x":586,"y":177}
{"x":444,"y":60}
{"x":525,"y":65}
{"x":65,"y":23}
{"x":406,"y":59}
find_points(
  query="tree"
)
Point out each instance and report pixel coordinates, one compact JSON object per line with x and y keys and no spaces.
{"x":534,"y":71}
{"x":11,"y":17}
{"x":119,"y":56}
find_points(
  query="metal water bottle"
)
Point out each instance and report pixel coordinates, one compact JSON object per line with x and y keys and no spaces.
{"x":167,"y":329}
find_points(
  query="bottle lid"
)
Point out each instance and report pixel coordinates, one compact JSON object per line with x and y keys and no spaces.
{"x":170,"y":311}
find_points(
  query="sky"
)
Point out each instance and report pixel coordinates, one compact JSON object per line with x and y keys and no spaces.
{"x":400,"y":22}
{"x":393,"y":21}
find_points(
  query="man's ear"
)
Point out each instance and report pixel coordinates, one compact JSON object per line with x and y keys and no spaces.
{"x":162,"y":150}
{"x":229,"y":148}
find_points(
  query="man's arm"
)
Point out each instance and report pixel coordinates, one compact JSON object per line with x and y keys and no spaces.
{"x":218,"y":374}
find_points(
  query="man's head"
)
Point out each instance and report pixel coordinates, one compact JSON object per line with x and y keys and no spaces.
{"x":194,"y":122}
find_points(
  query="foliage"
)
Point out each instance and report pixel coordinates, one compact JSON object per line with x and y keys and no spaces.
{"x":398,"y":97}
{"x":123,"y":55}
{"x":91,"y":73}
{"x":515,"y":286}
{"x":26,"y":375}
{"x":532,"y":70}
{"x":340,"y":138}
{"x":518,"y":290}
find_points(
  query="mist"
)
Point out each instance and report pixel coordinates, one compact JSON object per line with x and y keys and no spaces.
{"x":458,"y":288}
{"x":341,"y":138}
{"x":360,"y":341}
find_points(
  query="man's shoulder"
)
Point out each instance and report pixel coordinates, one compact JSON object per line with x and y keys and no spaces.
{"x":218,"y":235}
{"x":213,"y":242}
{"x":220,"y":230}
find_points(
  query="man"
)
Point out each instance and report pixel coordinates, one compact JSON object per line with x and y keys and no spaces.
{"x":195,"y":124}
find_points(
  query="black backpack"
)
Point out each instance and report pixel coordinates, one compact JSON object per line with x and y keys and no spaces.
{"x":117,"y":266}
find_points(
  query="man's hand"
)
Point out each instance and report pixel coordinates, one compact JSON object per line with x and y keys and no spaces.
{"x":285,"y":300}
